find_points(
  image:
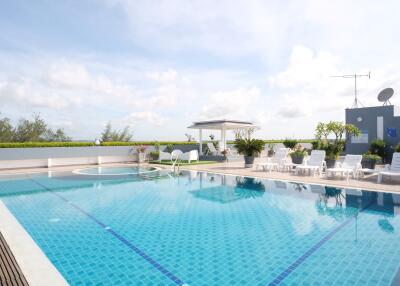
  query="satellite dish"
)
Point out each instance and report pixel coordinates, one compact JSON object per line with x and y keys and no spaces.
{"x":385,"y":95}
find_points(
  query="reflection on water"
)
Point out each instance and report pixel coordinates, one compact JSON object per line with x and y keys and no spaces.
{"x":299,"y":187}
{"x":249,"y":188}
{"x":336,"y":203}
{"x":226,"y":189}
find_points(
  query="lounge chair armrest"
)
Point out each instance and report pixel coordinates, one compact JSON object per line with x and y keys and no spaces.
{"x":338,"y":165}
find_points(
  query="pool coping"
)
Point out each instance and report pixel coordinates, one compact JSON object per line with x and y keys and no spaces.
{"x":34,"y":264}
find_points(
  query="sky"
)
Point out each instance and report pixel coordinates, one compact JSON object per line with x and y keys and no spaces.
{"x":157,"y":66}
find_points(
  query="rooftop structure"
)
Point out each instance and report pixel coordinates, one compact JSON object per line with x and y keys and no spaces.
{"x":378,"y":122}
{"x":222,"y":125}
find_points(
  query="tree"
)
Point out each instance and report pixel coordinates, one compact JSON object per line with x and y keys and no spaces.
{"x":30,"y":131}
{"x":35,"y":130}
{"x":110,"y":135}
{"x":6,"y":130}
{"x":58,"y":136}
{"x":322,"y":131}
{"x":338,"y":129}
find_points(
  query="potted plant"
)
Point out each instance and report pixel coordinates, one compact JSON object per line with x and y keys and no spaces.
{"x":141,"y":151}
{"x":378,"y":147}
{"x":369,"y":160}
{"x":154,"y":155}
{"x":298,"y":154}
{"x":270,"y":149}
{"x":225,"y":154}
{"x":169,"y":148}
{"x":249,"y":148}
{"x":290,"y":143}
{"x":334,"y":147}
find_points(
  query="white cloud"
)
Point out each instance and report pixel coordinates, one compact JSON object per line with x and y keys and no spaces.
{"x":292,"y":111}
{"x":166,"y":76}
{"x":150,"y":117}
{"x":236,"y":104}
{"x":307,"y":84}
{"x":27,"y":94}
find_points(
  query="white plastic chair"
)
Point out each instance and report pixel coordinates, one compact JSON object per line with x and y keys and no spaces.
{"x":391,"y":170}
{"x":275,"y":162}
{"x":192,"y":155}
{"x":211,"y":149}
{"x":350,"y":165}
{"x":164,"y":156}
{"x":315,"y":163}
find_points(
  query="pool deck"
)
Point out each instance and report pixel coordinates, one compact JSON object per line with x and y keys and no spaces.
{"x":10,"y":272}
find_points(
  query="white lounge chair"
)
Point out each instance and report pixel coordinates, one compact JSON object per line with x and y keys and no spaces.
{"x":275,"y":162}
{"x":192,"y":155}
{"x":315,"y":163}
{"x":391,"y":170}
{"x":211,"y":149}
{"x":350,"y":165}
{"x":164,"y":156}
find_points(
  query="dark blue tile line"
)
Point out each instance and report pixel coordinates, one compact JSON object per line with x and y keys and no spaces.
{"x":302,"y":258}
{"x":396,"y":279}
{"x":129,"y":244}
{"x":309,"y":252}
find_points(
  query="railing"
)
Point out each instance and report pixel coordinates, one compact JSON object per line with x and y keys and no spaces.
{"x":176,"y":164}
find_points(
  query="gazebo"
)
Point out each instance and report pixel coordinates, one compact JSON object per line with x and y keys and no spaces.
{"x":223,"y":126}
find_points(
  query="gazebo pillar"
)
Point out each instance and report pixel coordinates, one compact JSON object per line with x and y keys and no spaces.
{"x":201,"y":141}
{"x":223,"y":140}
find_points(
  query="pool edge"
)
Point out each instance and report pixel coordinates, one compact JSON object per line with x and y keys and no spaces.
{"x":34,"y":264}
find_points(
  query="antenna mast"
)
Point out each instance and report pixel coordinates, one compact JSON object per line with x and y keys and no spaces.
{"x":356,"y":102}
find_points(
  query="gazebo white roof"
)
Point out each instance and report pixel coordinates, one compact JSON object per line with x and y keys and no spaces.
{"x":223,"y":124}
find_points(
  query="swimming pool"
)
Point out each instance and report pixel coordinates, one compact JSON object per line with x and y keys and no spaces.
{"x":207,"y":229}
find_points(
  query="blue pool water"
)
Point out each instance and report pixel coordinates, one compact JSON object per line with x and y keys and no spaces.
{"x":207,"y":229}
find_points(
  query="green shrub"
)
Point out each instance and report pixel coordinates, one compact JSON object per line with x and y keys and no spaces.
{"x":378,"y":147}
{"x":249,"y":147}
{"x":397,"y":148}
{"x":290,"y":143}
{"x":154,"y":155}
{"x":169,"y":148}
{"x":45,"y":144}
{"x":149,"y":143}
{"x":372,"y":157}
{"x":86,"y":144}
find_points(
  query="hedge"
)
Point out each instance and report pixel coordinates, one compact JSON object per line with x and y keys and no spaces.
{"x":45,"y":144}
{"x":87,"y":144}
{"x":150,"y":143}
{"x":135,"y":143}
{"x":275,"y":141}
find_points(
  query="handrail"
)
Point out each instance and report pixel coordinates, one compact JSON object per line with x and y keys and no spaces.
{"x":177,"y":161}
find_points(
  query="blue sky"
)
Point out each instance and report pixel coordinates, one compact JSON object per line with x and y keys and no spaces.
{"x":159,"y":65}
